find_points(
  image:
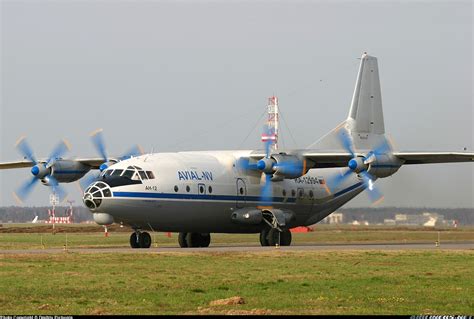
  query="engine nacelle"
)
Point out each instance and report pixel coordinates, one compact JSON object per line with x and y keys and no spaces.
{"x":288,"y":167}
{"x":249,"y":216}
{"x":103,"y":218}
{"x":383,"y":165}
{"x":67,"y":171}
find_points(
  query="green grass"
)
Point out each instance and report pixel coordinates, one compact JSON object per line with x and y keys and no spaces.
{"x":274,"y":282}
{"x":322,"y":235}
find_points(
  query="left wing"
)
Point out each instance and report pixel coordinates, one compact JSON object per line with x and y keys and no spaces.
{"x":433,"y":157}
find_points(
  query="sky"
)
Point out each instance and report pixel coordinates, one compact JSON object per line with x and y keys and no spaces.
{"x":196,"y":75}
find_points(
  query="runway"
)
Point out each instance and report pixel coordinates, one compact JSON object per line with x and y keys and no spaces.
{"x":253,"y":249}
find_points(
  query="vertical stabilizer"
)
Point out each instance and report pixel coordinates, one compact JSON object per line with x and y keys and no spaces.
{"x":366,"y":115}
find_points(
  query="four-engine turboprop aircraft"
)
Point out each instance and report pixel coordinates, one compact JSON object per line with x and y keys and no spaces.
{"x":266,"y":192}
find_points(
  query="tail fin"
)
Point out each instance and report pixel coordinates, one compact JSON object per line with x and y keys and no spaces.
{"x":366,"y":115}
{"x":365,"y":121}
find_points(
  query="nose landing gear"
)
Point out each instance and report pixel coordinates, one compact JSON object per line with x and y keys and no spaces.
{"x":140,"y":239}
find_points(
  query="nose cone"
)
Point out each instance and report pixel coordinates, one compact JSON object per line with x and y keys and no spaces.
{"x":95,"y":193}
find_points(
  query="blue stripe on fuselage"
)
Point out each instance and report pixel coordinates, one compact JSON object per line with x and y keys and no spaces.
{"x":218,"y":197}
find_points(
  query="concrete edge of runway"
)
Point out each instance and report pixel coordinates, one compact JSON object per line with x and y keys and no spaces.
{"x":465,"y":246}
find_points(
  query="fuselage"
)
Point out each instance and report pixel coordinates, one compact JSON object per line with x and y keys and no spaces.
{"x":199,"y":191}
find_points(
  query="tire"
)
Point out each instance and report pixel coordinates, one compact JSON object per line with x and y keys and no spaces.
{"x":205,"y":240}
{"x":145,"y":240}
{"x":193,"y":239}
{"x":285,"y":238}
{"x":133,"y":241}
{"x":263,"y":237}
{"x":273,"y":237}
{"x":182,"y":240}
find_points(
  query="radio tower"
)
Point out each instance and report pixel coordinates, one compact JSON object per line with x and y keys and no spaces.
{"x":271,"y":130}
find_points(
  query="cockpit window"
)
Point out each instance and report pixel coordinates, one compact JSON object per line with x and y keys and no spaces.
{"x":142,"y":175}
{"x":150,"y":174}
{"x":108,"y":172}
{"x":128,"y":173}
{"x":117,"y":172}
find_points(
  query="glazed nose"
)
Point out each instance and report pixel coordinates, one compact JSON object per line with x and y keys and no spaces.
{"x":95,"y":193}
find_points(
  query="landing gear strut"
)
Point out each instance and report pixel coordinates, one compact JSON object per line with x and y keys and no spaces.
{"x":186,"y":240}
{"x":140,"y":239}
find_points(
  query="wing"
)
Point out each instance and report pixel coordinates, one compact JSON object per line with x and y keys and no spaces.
{"x":433,"y":157}
{"x":93,"y":163}
{"x":328,"y":159}
{"x":17,"y":164}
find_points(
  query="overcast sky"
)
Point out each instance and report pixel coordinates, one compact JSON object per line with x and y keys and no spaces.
{"x":195,"y":75}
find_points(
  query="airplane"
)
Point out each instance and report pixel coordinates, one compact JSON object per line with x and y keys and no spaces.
{"x":268,"y":191}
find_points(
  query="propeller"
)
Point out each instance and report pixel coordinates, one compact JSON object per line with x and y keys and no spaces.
{"x":41,"y":170}
{"x":98,"y":140}
{"x":359,"y":165}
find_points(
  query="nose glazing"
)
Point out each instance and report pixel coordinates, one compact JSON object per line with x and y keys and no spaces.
{"x":95,"y":193}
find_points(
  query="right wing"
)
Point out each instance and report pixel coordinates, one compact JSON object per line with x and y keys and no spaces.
{"x":17,"y":164}
{"x":93,"y":163}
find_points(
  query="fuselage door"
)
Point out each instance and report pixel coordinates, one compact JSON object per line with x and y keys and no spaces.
{"x":241,"y":193}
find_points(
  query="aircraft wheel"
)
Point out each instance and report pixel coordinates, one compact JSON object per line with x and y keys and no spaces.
{"x":182,"y":240}
{"x":145,"y":240}
{"x":273,"y":237}
{"x":205,"y":240}
{"x":193,"y":239}
{"x":263,"y":236}
{"x":134,"y":240}
{"x":285,"y":238}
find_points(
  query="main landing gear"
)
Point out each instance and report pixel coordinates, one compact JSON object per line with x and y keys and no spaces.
{"x":273,"y":236}
{"x":275,"y":232}
{"x":140,"y":239}
{"x":194,"y":240}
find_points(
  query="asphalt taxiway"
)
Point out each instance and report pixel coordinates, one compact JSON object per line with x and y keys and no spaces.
{"x":254,"y":249}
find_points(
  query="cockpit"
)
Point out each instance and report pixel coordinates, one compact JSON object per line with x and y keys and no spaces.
{"x":133,"y":173}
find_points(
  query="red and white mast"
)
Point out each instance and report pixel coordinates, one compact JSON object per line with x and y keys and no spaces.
{"x":271,"y":132}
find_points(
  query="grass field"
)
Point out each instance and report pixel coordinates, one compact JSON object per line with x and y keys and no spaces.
{"x":15,"y":238}
{"x":274,"y":282}
{"x":270,"y":282}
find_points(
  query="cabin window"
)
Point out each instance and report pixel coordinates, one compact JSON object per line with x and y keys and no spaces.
{"x":210,"y":189}
{"x":311,"y":194}
{"x":188,"y":188}
{"x":301,"y":193}
{"x":241,"y":190}
{"x":293,"y":193}
{"x":201,"y":189}
{"x":283,"y":192}
{"x":176,"y":189}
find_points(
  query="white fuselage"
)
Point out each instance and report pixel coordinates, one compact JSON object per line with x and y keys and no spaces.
{"x":198,"y":192}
